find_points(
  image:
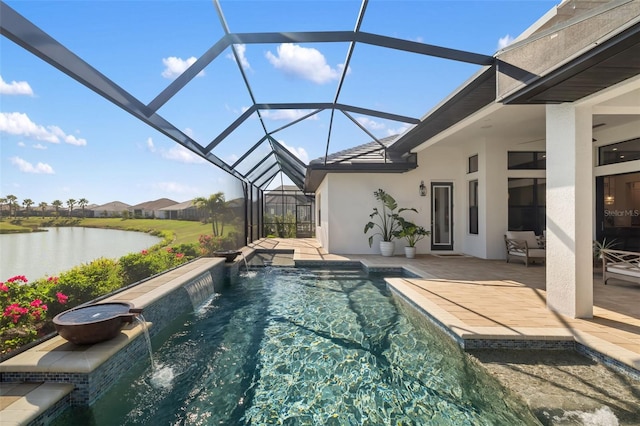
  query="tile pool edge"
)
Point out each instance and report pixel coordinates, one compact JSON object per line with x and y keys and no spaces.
{"x":471,"y":338}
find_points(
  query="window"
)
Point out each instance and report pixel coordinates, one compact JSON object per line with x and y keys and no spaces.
{"x":527,"y":205}
{"x":473,"y":207}
{"x":527,"y":160}
{"x":473,"y":163}
{"x":619,"y":152}
{"x":319,"y":210}
{"x":618,"y":210}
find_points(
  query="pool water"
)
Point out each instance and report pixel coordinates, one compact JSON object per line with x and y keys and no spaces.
{"x":305,"y":347}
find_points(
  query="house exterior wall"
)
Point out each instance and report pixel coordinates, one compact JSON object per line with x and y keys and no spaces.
{"x":322,"y":213}
{"x":346,"y":199}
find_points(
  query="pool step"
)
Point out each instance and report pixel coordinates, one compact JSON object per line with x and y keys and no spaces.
{"x":27,"y":403}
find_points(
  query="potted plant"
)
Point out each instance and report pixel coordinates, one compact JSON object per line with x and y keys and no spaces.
{"x":598,"y":246}
{"x":412,"y":233}
{"x":386,"y":221}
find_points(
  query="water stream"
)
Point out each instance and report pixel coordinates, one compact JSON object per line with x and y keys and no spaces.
{"x":200,"y":289}
{"x":248,"y":272}
{"x":161,"y":376}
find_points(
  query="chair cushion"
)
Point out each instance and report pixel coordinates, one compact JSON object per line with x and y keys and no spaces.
{"x":536,"y":252}
{"x":624,"y":270}
{"x":528,"y":236}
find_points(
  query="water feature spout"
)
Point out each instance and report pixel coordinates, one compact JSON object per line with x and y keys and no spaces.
{"x":143,"y":323}
{"x":246,"y":265}
{"x":161,"y":376}
{"x":249,"y":273}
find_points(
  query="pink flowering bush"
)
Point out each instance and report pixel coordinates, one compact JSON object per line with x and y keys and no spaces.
{"x":28,"y":308}
{"x":25,"y":313}
{"x":210,"y":244}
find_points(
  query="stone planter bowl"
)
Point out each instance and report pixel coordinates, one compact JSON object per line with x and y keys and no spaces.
{"x":95,"y":323}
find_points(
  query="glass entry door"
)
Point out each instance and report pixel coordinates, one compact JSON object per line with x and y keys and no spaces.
{"x":441,"y":216}
{"x":304,"y":224}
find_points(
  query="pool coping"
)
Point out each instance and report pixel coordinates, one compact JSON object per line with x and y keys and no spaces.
{"x":471,"y":337}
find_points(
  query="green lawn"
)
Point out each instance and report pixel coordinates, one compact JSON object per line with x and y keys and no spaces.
{"x":185,"y":232}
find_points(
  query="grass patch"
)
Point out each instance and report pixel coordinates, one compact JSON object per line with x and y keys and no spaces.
{"x":183,"y":231}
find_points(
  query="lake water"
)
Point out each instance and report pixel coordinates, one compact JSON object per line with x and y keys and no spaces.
{"x":40,"y":254}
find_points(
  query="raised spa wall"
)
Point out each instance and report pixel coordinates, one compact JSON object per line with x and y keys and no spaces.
{"x":42,"y":381}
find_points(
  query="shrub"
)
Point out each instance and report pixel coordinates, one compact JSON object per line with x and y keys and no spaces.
{"x":28,"y":308}
{"x":91,"y":280}
{"x":190,"y":251}
{"x":210,"y":244}
{"x":26,"y":311}
{"x":138,"y":266}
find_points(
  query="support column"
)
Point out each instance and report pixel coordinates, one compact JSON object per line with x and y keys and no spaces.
{"x":569,"y":210}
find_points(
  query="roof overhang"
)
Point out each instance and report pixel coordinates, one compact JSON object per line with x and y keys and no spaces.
{"x":537,"y":70}
{"x":574,"y":59}
{"x":317,"y":172}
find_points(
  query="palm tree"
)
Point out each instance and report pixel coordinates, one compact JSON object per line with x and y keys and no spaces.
{"x":3,"y":201}
{"x":216,"y":206}
{"x":43,"y":206}
{"x":57,"y":204}
{"x":27,"y":203}
{"x":70,"y":203}
{"x":12,"y":199}
{"x":82,"y":202}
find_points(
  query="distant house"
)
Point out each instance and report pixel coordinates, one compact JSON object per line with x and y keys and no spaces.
{"x":151,"y":209}
{"x":186,"y":210}
{"x":111,"y":209}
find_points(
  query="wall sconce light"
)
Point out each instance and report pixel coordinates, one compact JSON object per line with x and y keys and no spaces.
{"x":423,"y":189}
{"x":609,"y":200}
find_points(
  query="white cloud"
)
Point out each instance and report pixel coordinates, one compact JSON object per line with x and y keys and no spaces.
{"x":240,"y":50}
{"x":39,"y":146}
{"x":176,"y":188}
{"x":17,"y":123}
{"x":175,"y":153}
{"x":299,"y":152}
{"x":286,"y":114}
{"x":150,"y":145}
{"x":189,"y":132}
{"x":26,"y":167}
{"x":15,"y":88}
{"x":398,"y":131}
{"x":21,"y":144}
{"x":505,"y":41}
{"x":304,"y":62}
{"x":175,"y":66}
{"x":72,"y":140}
{"x":182,"y":155}
{"x":370,"y":124}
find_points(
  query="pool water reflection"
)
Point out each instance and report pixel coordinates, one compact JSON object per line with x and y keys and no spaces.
{"x":306,"y":347}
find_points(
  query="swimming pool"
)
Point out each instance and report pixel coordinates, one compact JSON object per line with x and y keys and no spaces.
{"x":305,"y":347}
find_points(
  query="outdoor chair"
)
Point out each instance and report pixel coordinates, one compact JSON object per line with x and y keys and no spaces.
{"x":525,"y":245}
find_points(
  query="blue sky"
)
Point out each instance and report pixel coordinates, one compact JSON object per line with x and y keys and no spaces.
{"x":59,"y":140}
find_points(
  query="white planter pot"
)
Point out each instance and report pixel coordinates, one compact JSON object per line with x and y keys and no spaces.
{"x":410,"y":252}
{"x":387,"y":248}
